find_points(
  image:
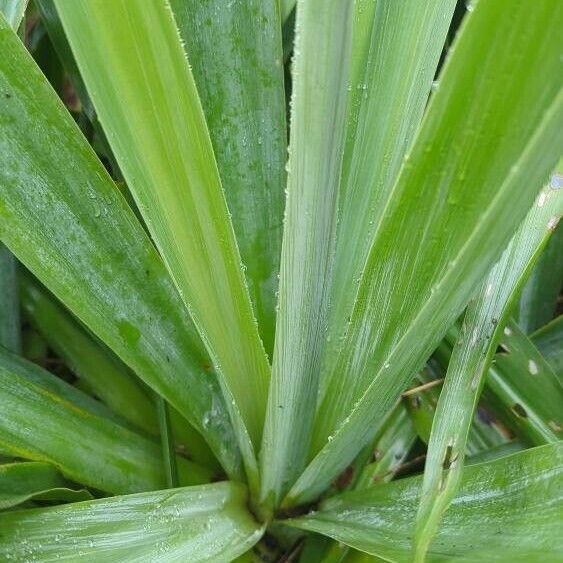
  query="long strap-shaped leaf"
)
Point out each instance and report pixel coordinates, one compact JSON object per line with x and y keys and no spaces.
{"x":63,"y":217}
{"x":236,"y":56}
{"x":510,"y":509}
{"x":133,"y":64}
{"x":101,"y":373}
{"x":196,"y":524}
{"x":10,"y":331}
{"x":37,"y":423}
{"x":489,"y":139}
{"x":523,"y":391}
{"x":484,"y":319}
{"x":320,"y":72}
{"x":397,"y":46}
{"x":20,"y":482}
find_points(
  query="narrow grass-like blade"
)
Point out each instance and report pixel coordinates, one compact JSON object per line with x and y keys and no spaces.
{"x":510,"y":509}
{"x":236,"y":58}
{"x":490,"y":137}
{"x":473,"y":352}
{"x":135,"y":69}
{"x":64,"y":218}
{"x":397,"y":47}
{"x":391,"y":449}
{"x":549,"y":341}
{"x":35,"y":480}
{"x":37,"y":424}
{"x":318,"y":111}
{"x":196,"y":524}
{"x":523,"y":390}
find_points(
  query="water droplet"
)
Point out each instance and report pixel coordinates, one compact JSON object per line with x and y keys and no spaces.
{"x":541,"y":199}
{"x":556,"y":182}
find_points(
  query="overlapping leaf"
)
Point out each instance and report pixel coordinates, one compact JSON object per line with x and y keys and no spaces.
{"x":471,"y":356}
{"x":491,"y":135}
{"x":507,"y":510}
{"x":133,"y":64}
{"x":63,"y":217}
{"x":318,"y":112}
{"x":235,"y":53}
{"x":208,"y":523}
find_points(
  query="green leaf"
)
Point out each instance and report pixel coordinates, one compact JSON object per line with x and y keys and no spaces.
{"x":490,"y":137}
{"x":396,"y":51}
{"x":236,"y":57}
{"x":539,"y":297}
{"x":133,"y":64}
{"x":104,"y":375}
{"x":10,"y":332}
{"x":549,"y":340}
{"x":391,"y":448}
{"x":13,"y":11}
{"x":318,"y":111}
{"x":508,"y":510}
{"x":39,"y":376}
{"x":523,"y":390}
{"x":64,"y":218}
{"x":484,"y":433}
{"x":20,"y":482}
{"x":208,"y":523}
{"x":101,"y":373}
{"x":167,"y":443}
{"x":39,"y":424}
{"x":484,"y":319}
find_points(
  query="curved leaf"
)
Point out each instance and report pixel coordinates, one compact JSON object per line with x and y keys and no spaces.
{"x":20,"y":482}
{"x":493,"y":126}
{"x":136,"y":72}
{"x":64,"y":218}
{"x":484,"y":319}
{"x":510,"y":509}
{"x":196,"y":524}
{"x":40,"y":424}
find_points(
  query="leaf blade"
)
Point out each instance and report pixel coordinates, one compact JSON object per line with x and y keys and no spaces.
{"x":145,"y":96}
{"x":20,"y":482}
{"x":236,"y":57}
{"x":167,"y":525}
{"x":485,"y":316}
{"x":379,"y":520}
{"x":317,"y":135}
{"x":425,"y":202}
{"x":64,"y":219}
